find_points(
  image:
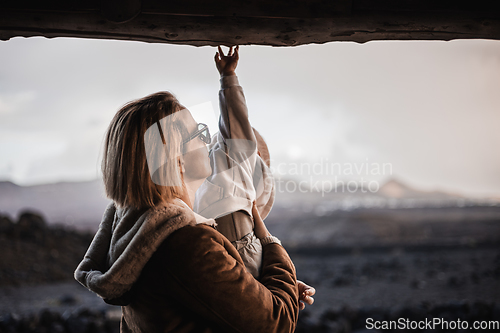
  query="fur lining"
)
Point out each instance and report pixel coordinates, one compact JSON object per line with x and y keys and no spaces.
{"x":124,"y":243}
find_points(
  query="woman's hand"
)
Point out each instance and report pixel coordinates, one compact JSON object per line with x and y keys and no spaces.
{"x":305,"y":293}
{"x":226,"y":65}
{"x":259,"y":228}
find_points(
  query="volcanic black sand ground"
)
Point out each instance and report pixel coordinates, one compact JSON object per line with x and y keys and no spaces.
{"x":352,"y":281}
{"x":377,"y":279}
{"x":361,"y":280}
{"x":401,"y":278}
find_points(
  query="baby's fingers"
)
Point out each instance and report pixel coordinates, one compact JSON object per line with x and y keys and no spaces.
{"x":220,"y":51}
{"x":255,"y":210}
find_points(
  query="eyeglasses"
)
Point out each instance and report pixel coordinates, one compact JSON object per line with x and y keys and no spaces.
{"x":203,"y":133}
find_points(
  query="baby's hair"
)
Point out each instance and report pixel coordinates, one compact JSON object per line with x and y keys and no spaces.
{"x":262,"y":148}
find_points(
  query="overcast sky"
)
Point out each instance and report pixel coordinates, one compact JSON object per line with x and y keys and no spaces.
{"x":429,"y":109}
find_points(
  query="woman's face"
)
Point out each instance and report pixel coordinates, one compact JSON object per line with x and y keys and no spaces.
{"x":196,"y":161}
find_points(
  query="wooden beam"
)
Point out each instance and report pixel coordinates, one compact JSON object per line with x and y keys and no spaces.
{"x":278,"y":23}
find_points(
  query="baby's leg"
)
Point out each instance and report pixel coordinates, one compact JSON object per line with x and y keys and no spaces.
{"x":238,"y":228}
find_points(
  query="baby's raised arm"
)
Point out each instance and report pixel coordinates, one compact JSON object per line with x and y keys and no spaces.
{"x":233,"y":121}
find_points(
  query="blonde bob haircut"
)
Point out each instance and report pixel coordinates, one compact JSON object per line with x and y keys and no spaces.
{"x":127,"y":178}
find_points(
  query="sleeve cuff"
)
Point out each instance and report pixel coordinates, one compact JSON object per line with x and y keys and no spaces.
{"x":229,"y":81}
{"x":269,"y":240}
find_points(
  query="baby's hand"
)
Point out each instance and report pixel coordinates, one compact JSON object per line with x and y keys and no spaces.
{"x":226,"y":64}
{"x":259,"y":228}
{"x":305,"y":293}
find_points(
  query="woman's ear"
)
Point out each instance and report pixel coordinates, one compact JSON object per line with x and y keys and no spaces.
{"x":182,"y":169}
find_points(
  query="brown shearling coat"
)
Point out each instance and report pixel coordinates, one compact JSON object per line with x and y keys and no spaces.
{"x":196,"y":282}
{"x":173,"y":275}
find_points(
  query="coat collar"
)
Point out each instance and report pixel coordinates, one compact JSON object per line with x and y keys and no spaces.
{"x":124,"y":243}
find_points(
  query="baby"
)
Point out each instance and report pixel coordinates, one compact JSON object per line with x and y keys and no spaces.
{"x":239,"y":175}
{"x":241,"y":188}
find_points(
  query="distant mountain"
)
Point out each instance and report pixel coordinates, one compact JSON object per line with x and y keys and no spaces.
{"x":81,"y":204}
{"x":393,"y":188}
{"x":78,"y":204}
{"x":391,"y":194}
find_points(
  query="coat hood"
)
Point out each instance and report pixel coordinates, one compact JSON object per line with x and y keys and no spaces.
{"x":124,"y":243}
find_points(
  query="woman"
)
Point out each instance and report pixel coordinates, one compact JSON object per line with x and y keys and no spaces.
{"x":168,"y":267}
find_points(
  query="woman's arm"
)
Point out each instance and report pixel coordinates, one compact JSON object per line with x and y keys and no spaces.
{"x":305,"y":291}
{"x":206,"y":274}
